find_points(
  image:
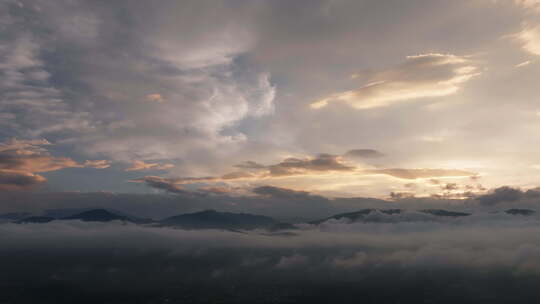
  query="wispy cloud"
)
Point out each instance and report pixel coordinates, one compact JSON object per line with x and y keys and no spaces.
{"x":139,"y":165}
{"x":421,"y":76}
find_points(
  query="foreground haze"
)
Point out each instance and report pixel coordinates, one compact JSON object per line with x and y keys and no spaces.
{"x":269,"y":151}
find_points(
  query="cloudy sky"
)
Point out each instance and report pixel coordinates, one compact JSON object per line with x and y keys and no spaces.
{"x":338,"y":98}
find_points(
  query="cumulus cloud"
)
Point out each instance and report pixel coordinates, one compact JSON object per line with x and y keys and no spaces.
{"x":139,"y":165}
{"x":421,"y":76}
{"x":202,"y":91}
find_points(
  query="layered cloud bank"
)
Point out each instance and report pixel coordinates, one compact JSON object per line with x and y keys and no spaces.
{"x":405,"y":262}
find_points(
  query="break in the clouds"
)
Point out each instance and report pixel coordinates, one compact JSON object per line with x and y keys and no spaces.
{"x":421,"y":76}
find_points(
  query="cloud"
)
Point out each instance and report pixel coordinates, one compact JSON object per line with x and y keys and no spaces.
{"x":25,"y":89}
{"x":421,"y":173}
{"x":19,"y":160}
{"x":532,"y":5}
{"x":250,"y":165}
{"x":289,"y":167}
{"x":510,"y":195}
{"x":530,"y":38}
{"x":282,"y":193}
{"x":17,"y":180}
{"x":93,"y":106}
{"x":167,"y":184}
{"x":97,"y":164}
{"x":421,"y":76}
{"x":523,"y":64}
{"x":138,"y":165}
{"x":464,"y":261}
{"x":320,"y":163}
{"x":311,"y":173}
{"x":363,"y":153}
{"x":155,"y":98}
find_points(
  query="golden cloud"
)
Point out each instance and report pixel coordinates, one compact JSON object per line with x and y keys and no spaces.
{"x":421,"y":173}
{"x":141,"y":165}
{"x":530,"y":38}
{"x":421,"y":76}
{"x":20,"y":160}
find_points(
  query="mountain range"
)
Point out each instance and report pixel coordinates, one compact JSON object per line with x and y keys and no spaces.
{"x":212,"y":219}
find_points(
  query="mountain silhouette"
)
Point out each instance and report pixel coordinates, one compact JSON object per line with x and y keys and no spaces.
{"x":514,"y":211}
{"x":381,"y":215}
{"x":356,"y":215}
{"x":442,"y":212}
{"x":98,"y":215}
{"x":36,"y":219}
{"x":211,"y":219}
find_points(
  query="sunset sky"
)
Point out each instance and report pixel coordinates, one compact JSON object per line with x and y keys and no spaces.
{"x":338,"y":98}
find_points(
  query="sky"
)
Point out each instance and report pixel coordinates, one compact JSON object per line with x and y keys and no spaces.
{"x":238,"y":100}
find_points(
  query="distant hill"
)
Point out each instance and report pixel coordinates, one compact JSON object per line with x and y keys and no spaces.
{"x":36,"y":219}
{"x":441,"y":212}
{"x":211,"y":219}
{"x":520,"y":211}
{"x":390,"y":215}
{"x":97,"y":215}
{"x":13,"y":216}
{"x":356,"y":215}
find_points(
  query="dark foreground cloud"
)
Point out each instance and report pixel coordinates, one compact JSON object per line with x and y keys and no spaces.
{"x":463,"y":262}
